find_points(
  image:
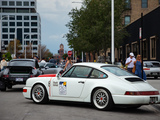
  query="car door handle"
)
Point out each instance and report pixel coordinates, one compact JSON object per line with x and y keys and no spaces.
{"x":81,"y":82}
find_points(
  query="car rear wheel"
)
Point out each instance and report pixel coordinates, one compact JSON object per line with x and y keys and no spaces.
{"x":39,"y":94}
{"x":102,"y":99}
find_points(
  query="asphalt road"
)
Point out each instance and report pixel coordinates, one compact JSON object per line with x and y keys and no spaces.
{"x":13,"y":106}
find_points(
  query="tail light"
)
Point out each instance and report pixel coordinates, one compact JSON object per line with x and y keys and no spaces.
{"x":142,"y":93}
{"x":146,"y":68}
{"x":5,"y":76}
{"x":33,"y":75}
{"x":24,"y":90}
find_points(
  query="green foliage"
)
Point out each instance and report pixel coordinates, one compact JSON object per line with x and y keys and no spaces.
{"x":7,"y":56}
{"x":90,"y":26}
{"x":64,"y":56}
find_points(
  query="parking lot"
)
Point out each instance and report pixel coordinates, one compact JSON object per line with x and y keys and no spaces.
{"x":15,"y":107}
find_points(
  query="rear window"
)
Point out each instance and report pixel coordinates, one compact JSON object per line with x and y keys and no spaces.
{"x":22,"y":63}
{"x":117,"y":71}
{"x":153,"y":64}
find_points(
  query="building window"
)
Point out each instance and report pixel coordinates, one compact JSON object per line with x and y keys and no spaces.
{"x":19,"y":17}
{"x":26,"y":36}
{"x":4,"y":3}
{"x":11,"y":17}
{"x":34,"y":48}
{"x":159,"y":1}
{"x":24,"y":10}
{"x":35,"y":43}
{"x":12,"y":36}
{"x":4,"y":23}
{"x":135,"y":49}
{"x":5,"y":36}
{"x":26,"y":30}
{"x":19,"y":3}
{"x":33,"y":17}
{"x":12,"y":24}
{"x":145,"y":49}
{"x":144,"y":3}
{"x":8,"y":10}
{"x":128,"y":50}
{"x":11,"y":3}
{"x":12,"y":30}
{"x":33,"y":23}
{"x":34,"y":36}
{"x":4,"y":17}
{"x":5,"y":30}
{"x":26,"y":23}
{"x":26,"y":17}
{"x":32,"y":3}
{"x":26,"y":3}
{"x":34,"y":30}
{"x":153,"y":48}
{"x":127,"y":20}
{"x":19,"y":23}
{"x":128,"y":4}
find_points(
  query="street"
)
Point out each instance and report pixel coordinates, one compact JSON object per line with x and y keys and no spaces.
{"x":13,"y":106}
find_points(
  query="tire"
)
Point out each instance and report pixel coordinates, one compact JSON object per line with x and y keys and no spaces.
{"x":9,"y":86}
{"x":39,"y":94}
{"x":155,"y":77}
{"x":2,"y":86}
{"x":102,"y":99}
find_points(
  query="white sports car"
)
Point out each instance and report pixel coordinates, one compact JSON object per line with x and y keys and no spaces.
{"x":100,"y":84}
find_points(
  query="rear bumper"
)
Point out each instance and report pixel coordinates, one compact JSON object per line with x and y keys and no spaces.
{"x":136,"y":100}
{"x":27,"y":92}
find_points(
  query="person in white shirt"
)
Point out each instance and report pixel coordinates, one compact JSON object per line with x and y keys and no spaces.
{"x":43,"y":60}
{"x":130,"y":62}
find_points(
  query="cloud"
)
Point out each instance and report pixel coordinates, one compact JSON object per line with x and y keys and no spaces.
{"x":54,"y":17}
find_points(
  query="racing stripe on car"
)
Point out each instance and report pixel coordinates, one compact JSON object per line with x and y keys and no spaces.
{"x":50,"y":87}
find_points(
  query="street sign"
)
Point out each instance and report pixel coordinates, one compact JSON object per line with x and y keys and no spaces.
{"x":140,"y":33}
{"x":69,"y":53}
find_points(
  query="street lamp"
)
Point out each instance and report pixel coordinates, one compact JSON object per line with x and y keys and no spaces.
{"x":26,"y":45}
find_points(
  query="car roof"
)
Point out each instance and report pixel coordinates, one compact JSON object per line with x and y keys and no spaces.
{"x":22,"y":60}
{"x":151,"y":61}
{"x":92,"y":64}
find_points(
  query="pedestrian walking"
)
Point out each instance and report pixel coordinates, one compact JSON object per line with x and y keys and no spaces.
{"x":43,"y":60}
{"x":139,"y":70}
{"x":130,"y":62}
{"x":68,"y":64}
{"x":52,"y":60}
{"x":3,"y":64}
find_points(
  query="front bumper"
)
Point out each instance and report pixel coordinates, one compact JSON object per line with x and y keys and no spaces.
{"x":136,"y":100}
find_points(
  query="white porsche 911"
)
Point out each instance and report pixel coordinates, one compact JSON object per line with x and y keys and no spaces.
{"x":100,"y":84}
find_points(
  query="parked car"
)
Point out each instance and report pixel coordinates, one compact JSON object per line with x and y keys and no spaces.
{"x":103,"y":85}
{"x":18,"y":71}
{"x":50,"y":68}
{"x":152,"y":68}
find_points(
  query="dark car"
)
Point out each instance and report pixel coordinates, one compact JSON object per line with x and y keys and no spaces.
{"x":18,"y":71}
{"x":50,"y":68}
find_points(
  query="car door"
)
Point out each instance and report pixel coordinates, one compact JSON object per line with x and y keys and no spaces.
{"x":71,"y":83}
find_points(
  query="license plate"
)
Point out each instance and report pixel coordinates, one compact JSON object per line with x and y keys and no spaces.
{"x":153,"y":100}
{"x":154,"y":73}
{"x":19,"y":79}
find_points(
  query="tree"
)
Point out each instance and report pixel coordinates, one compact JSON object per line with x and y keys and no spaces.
{"x":10,"y":47}
{"x":90,"y":26}
{"x":44,"y":52}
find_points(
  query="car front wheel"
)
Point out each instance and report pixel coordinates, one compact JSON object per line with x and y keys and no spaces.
{"x":39,"y":94}
{"x":102,"y":99}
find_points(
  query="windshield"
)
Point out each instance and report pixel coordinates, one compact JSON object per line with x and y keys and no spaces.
{"x":153,"y":64}
{"x":22,"y":63}
{"x":117,"y":71}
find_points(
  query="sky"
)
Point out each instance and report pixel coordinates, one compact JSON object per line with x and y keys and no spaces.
{"x":54,"y":17}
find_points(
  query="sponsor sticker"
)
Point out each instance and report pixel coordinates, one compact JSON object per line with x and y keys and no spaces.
{"x":62,"y":88}
{"x":55,"y":83}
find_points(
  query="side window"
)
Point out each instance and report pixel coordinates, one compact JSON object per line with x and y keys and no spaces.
{"x":68,"y":74}
{"x":97,"y":74}
{"x":81,"y":72}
